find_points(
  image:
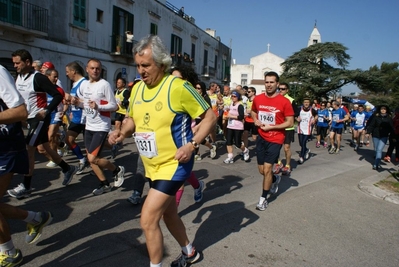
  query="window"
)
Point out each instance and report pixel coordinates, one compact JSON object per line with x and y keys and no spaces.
{"x":216,"y":62}
{"x":244,"y":80}
{"x":79,"y":13}
{"x":314,"y":41}
{"x":154,"y":29}
{"x":176,"y":48}
{"x":100,"y":14}
{"x":11,"y":12}
{"x":193,"y":52}
{"x":205,"y":57}
{"x":122,"y":22}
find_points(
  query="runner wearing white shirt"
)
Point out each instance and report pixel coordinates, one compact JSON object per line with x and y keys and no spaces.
{"x":98,"y":101}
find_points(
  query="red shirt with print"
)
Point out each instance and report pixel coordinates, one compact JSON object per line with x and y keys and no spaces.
{"x":272,"y":111}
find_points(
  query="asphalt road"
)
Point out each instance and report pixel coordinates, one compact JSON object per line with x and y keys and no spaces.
{"x":319,"y":217}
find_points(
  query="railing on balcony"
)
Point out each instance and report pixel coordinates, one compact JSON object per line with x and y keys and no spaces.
{"x":180,"y":12}
{"x":120,"y":46}
{"x":208,"y":71}
{"x":24,"y":14}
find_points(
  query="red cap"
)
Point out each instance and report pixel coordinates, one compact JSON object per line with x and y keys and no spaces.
{"x":48,"y":65}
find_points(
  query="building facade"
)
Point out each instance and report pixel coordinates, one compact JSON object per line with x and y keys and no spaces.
{"x":253,"y":74}
{"x":76,"y":30}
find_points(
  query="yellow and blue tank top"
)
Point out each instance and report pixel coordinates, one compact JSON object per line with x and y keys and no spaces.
{"x":162,"y":117}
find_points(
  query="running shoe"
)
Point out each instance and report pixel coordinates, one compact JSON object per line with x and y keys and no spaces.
{"x":135,"y":198}
{"x":82,"y":166}
{"x":337,"y":150}
{"x":387,"y":159}
{"x":262,"y":205}
{"x":317,"y":144}
{"x":300,"y":160}
{"x":361,"y":144}
{"x":229,"y":161}
{"x":212,"y":152}
{"x":197,"y":157}
{"x":51,"y":164}
{"x":184,"y":260}
{"x":277,"y":168}
{"x":356,"y":147}
{"x":19,"y":192}
{"x":367,"y":143}
{"x":325,"y":145}
{"x":11,"y":260}
{"x":307,"y":154}
{"x":119,"y":177}
{"x":102,"y":189}
{"x":286,"y":170}
{"x":274,"y":188}
{"x":68,"y":175}
{"x":198,"y":193}
{"x":35,"y":230}
{"x":332,"y":150}
{"x":246,"y":155}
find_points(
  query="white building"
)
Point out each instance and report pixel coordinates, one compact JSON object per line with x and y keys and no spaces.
{"x":253,"y":74}
{"x":63,"y":31}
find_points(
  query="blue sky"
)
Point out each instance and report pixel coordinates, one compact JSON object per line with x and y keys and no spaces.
{"x":368,"y":28}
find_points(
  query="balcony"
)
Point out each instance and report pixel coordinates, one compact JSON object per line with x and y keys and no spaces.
{"x":180,"y":12}
{"x":23,"y":17}
{"x":208,"y":71}
{"x":120,"y":47}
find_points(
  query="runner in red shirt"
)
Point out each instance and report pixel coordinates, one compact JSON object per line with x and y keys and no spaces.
{"x":272,"y":113}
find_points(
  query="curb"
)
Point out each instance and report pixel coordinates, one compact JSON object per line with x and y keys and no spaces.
{"x":368,"y":186}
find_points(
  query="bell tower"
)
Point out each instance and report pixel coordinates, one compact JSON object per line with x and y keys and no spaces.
{"x":315,"y":36}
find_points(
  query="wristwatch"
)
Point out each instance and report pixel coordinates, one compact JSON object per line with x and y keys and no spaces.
{"x":195,"y":144}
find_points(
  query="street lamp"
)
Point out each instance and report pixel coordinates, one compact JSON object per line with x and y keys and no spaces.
{"x":295,"y":87}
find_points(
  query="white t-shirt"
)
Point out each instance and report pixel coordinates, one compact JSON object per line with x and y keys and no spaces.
{"x":100,"y":92}
{"x":8,"y":93}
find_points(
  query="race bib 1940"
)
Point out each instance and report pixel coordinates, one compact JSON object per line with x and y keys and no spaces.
{"x":267,"y":118}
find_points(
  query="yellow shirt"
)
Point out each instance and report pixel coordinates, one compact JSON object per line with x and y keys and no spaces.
{"x":119,"y":98}
{"x":162,"y":116}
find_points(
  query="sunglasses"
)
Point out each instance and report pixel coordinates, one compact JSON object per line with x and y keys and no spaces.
{"x":199,"y":88}
{"x":233,"y":96}
{"x":282,"y":89}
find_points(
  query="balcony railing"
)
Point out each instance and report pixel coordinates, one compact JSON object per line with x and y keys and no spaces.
{"x":120,"y":46}
{"x":208,"y":71}
{"x":24,"y":14}
{"x":180,"y":12}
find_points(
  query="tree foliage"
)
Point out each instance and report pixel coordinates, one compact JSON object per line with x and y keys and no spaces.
{"x":321,"y":68}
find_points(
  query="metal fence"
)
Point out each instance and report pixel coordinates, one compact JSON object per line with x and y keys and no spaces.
{"x":24,"y":14}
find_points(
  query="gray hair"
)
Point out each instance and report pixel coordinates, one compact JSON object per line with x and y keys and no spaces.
{"x":159,"y":52}
{"x":38,"y":63}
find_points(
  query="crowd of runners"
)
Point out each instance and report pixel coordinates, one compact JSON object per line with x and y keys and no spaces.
{"x":37,"y":114}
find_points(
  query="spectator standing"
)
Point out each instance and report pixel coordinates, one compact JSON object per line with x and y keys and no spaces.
{"x":380,"y":128}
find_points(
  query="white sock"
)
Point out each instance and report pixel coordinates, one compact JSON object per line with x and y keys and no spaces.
{"x":156,"y":265}
{"x":33,"y":217}
{"x":8,"y":248}
{"x":188,"y":250}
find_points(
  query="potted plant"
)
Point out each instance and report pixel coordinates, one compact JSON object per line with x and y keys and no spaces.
{"x":118,"y":45}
